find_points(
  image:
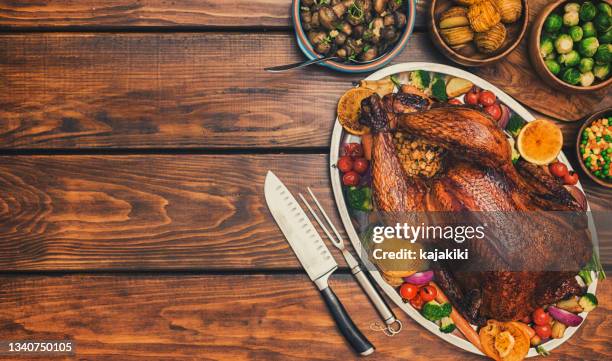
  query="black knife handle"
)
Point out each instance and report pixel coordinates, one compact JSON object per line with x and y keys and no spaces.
{"x":352,"y":334}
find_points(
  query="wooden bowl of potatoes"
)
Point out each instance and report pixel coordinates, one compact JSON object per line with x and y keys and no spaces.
{"x":477,"y":32}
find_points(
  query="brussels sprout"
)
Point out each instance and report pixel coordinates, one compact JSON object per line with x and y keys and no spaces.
{"x":589,"y":30}
{"x":588,"y":47}
{"x":553,"y":23}
{"x":604,"y":54}
{"x":570,"y":59}
{"x":564,"y":44}
{"x":546,"y":46}
{"x":586,"y":65}
{"x":601,"y":72}
{"x":606,"y":38}
{"x":605,"y":8}
{"x":587,"y":11}
{"x":551,"y":56}
{"x":569,"y":7}
{"x":571,"y":76}
{"x":602,"y":23}
{"x":553,"y":66}
{"x":576,"y":33}
{"x":587,"y":79}
{"x":571,"y":18}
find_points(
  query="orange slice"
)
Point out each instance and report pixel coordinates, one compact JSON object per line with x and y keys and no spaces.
{"x":504,"y":341}
{"x":540,"y":142}
{"x":349,"y":108}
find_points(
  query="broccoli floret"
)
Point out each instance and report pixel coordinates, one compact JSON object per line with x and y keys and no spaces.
{"x":360,"y":198}
{"x":434,"y":311}
{"x":420,"y":79}
{"x":515,"y":124}
{"x":542,"y":351}
{"x":438,"y":90}
{"x":588,"y":302}
{"x":447,"y":325}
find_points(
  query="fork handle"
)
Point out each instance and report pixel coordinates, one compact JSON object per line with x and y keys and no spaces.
{"x":379,"y":303}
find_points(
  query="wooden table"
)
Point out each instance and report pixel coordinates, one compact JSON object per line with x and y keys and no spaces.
{"x":135,"y":137}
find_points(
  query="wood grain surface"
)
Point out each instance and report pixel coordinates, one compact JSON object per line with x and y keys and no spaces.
{"x":188,"y":317}
{"x":112,"y":14}
{"x":203,"y":212}
{"x":188,"y":90}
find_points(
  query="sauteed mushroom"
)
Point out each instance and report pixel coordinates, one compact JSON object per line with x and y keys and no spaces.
{"x":352,"y":29}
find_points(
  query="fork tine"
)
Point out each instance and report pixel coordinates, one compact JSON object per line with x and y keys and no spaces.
{"x":312,"y":212}
{"x":325,"y":215}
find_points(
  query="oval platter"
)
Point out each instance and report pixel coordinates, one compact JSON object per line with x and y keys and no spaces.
{"x":340,"y":137}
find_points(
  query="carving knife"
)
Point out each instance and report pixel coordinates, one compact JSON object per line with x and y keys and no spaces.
{"x":313,"y":254}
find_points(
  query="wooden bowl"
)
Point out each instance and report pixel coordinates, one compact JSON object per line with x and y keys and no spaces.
{"x":538,"y":62}
{"x":600,"y":114}
{"x":468,"y":55}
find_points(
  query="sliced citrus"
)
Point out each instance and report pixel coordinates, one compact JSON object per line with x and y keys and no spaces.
{"x":504,"y":342}
{"x":540,"y":142}
{"x":349,"y":108}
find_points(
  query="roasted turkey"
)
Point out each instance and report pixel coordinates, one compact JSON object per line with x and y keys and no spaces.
{"x":515,"y":269}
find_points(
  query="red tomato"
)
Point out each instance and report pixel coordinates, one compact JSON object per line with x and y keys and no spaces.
{"x":487,"y":98}
{"x":350,"y":179}
{"x":558,"y":169}
{"x":540,"y":317}
{"x":471,"y":97}
{"x":428,"y":293}
{"x":408,"y":291}
{"x":570,"y":178}
{"x":353,"y":150}
{"x":543,"y":331}
{"x":360,"y":165}
{"x":345,"y":164}
{"x":417,"y":302}
{"x":455,"y":101}
{"x":494,"y":111}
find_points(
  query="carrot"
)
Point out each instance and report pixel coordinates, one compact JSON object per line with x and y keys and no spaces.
{"x":462,"y":324}
{"x":366,"y":143}
{"x":530,"y":332}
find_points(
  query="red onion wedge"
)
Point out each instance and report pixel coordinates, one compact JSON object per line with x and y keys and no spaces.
{"x":578,"y":196}
{"x":420,"y":278}
{"x":565,"y":317}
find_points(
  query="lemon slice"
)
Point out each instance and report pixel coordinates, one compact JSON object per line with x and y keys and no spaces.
{"x":349,"y":108}
{"x":504,"y":343}
{"x":540,"y":142}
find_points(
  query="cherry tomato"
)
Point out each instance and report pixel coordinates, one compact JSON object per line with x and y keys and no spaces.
{"x":570,"y":178}
{"x":487,"y":98}
{"x":350,"y":179}
{"x":472,"y":97}
{"x":455,"y":101}
{"x":417,"y":302}
{"x":428,"y":293}
{"x":543,"y":331}
{"x":353,"y":150}
{"x":558,"y":169}
{"x":360,"y":165}
{"x":408,"y":291}
{"x":494,"y":111}
{"x":540,"y":317}
{"x":345,"y":164}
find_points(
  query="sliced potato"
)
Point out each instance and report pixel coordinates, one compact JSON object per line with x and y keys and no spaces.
{"x":458,"y":86}
{"x":382,"y":87}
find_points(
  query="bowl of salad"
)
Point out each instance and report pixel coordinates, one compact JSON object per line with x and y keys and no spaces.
{"x":594,"y":147}
{"x":570,"y":45}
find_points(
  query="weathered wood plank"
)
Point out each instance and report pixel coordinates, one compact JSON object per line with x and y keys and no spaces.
{"x":117,"y":14}
{"x":205,"y":90}
{"x":202,"y":212}
{"x":219,"y":317}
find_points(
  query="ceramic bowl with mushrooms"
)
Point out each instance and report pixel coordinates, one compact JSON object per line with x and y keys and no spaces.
{"x":364,"y":35}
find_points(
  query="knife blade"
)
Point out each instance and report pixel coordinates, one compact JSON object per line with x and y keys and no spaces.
{"x":313,"y":255}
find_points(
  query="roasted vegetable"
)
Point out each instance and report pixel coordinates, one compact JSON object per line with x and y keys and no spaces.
{"x":588,"y":46}
{"x":360,"y":198}
{"x":601,"y":72}
{"x":565,"y":317}
{"x":571,"y":76}
{"x":603,"y":55}
{"x":491,"y":40}
{"x":588,"y":302}
{"x":576,"y":33}
{"x":438,"y":90}
{"x":457,"y":87}
{"x":587,"y":79}
{"x":553,"y":23}
{"x":453,"y":18}
{"x":515,"y":124}
{"x":587,"y":11}
{"x":570,"y":59}
{"x":564,"y":44}
{"x":588,"y":30}
{"x":420,"y":79}
{"x":434,"y":311}
{"x":457,"y":36}
{"x":606,"y":38}
{"x":571,"y":18}
{"x":447,"y":325}
{"x":553,"y":66}
{"x":558,"y":329}
{"x":510,"y":10}
{"x":569,"y":7}
{"x":570,"y":304}
{"x":605,"y":8}
{"x":546,"y":46}
{"x":602,"y":22}
{"x":483,"y":16}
